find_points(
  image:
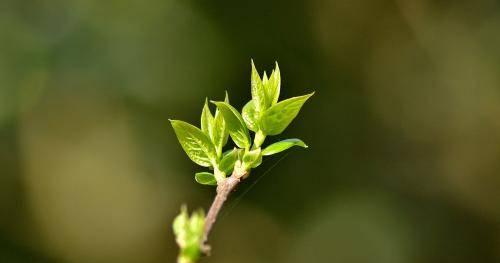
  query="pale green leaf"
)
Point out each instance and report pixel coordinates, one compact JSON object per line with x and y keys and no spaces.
{"x":275,"y":120}
{"x":207,"y":120}
{"x":250,"y":116}
{"x":195,"y":143}
{"x":282,"y":145}
{"x":205,"y":178}
{"x":273,"y":86}
{"x":258,"y":91}
{"x":235,"y":124}
{"x":226,"y":132}
{"x":220,"y":132}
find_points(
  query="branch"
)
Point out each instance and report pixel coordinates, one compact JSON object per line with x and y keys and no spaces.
{"x":223,"y":191}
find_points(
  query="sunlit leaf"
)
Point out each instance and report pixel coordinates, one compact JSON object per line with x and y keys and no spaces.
{"x":264,"y":79}
{"x":195,"y":143}
{"x":250,"y":116}
{"x":235,"y":124}
{"x":273,"y":86}
{"x":282,"y":145}
{"x":207,"y":120}
{"x":258,"y":91}
{"x":220,"y":132}
{"x":275,"y":120}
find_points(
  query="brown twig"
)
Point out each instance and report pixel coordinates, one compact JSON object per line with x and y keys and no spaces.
{"x":223,"y":191}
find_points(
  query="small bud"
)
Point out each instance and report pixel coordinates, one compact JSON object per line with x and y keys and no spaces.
{"x":189,"y":234}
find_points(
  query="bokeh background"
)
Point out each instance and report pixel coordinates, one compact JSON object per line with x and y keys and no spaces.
{"x":404,"y":129}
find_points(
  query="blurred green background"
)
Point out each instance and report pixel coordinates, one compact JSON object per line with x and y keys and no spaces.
{"x":404,"y":129}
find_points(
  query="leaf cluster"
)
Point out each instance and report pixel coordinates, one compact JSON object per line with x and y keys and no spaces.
{"x":264,"y":115}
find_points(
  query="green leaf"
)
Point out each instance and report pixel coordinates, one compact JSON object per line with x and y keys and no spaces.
{"x":195,"y":143}
{"x":282,"y":145}
{"x":228,"y":160}
{"x":250,"y":158}
{"x":258,"y":91}
{"x":273,"y":86}
{"x":264,"y":80}
{"x":220,"y":133}
{"x":251,"y":116}
{"x":235,"y":124}
{"x":207,"y":120}
{"x":275,"y":120}
{"x":205,"y":178}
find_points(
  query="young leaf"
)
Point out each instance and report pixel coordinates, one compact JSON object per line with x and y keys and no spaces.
{"x":264,"y":80}
{"x":205,"y":178}
{"x":275,"y":120}
{"x":226,"y":100}
{"x":195,"y":143}
{"x":251,"y":157}
{"x":273,"y":86}
{"x":227,"y":163}
{"x":207,"y":120}
{"x":282,"y":145}
{"x":251,"y":116}
{"x":220,"y":133}
{"x":258,"y":91}
{"x":235,"y":124}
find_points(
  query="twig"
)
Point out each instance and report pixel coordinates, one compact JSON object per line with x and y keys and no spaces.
{"x":223,"y":191}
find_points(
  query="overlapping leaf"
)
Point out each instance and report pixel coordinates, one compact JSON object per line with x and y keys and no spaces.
{"x":251,"y":116}
{"x":220,"y":132}
{"x":250,"y":158}
{"x":235,"y":124}
{"x":273,"y":86}
{"x":207,"y":120}
{"x":228,"y":160}
{"x":258,"y":91}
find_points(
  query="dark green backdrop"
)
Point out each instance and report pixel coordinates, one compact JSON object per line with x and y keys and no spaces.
{"x":404,"y":129}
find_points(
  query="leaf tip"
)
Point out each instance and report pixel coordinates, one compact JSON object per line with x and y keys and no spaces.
{"x":254,"y":69}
